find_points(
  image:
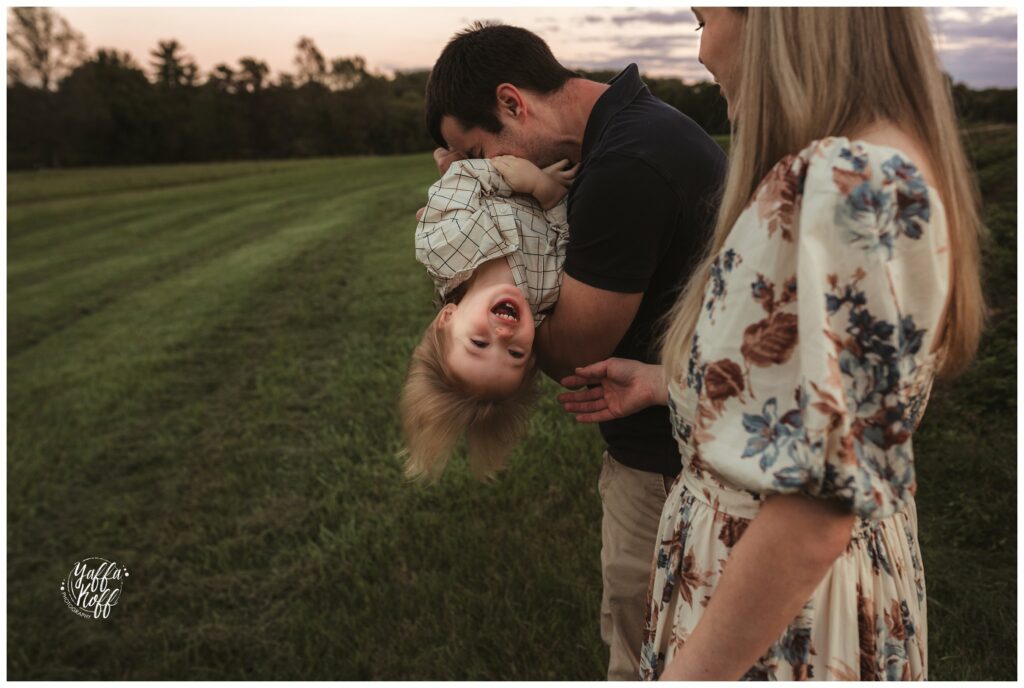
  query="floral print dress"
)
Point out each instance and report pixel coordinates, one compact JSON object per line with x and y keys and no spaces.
{"x":809,"y":370}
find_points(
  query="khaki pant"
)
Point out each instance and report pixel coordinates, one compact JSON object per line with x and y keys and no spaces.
{"x":631,"y":503}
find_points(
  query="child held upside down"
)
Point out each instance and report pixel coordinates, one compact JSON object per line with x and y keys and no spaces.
{"x":492,"y":237}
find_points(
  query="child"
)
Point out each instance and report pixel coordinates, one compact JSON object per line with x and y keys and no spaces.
{"x":492,"y":237}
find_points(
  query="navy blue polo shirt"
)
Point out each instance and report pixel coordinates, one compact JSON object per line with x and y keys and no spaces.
{"x":640,"y":213}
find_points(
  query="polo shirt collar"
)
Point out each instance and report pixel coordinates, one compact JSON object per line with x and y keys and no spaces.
{"x":622,"y":89}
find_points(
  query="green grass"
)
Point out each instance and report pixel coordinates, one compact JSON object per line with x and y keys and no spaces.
{"x":203,"y":367}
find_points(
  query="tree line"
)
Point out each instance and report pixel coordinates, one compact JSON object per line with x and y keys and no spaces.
{"x":67,"y":107}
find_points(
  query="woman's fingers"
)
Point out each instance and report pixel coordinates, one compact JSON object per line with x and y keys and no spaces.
{"x":585,"y":406}
{"x":573,"y":381}
{"x":599,"y":417}
{"x":594,"y":371}
{"x":582,"y":395}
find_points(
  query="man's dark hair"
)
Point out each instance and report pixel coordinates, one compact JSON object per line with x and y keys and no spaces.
{"x":474,"y":62}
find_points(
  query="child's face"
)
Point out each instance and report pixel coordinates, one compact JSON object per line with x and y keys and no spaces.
{"x":490,"y":339}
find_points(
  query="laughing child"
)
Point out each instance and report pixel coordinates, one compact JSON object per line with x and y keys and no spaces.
{"x":492,"y":237}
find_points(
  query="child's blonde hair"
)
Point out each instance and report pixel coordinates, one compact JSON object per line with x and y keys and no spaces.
{"x":436,"y":411}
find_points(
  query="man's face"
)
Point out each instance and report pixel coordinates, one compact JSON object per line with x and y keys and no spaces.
{"x":512,"y":140}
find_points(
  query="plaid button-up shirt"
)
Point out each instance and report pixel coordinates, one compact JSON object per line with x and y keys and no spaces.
{"x":473,"y":216}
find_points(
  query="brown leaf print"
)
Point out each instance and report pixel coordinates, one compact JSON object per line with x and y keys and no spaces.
{"x":770,"y":341}
{"x":690,"y":579}
{"x":866,"y":632}
{"x":828,"y":406}
{"x":894,"y":620}
{"x":723,"y":380}
{"x":842,"y":671}
{"x":847,"y":180}
{"x":733,"y":528}
{"x":777,"y":199}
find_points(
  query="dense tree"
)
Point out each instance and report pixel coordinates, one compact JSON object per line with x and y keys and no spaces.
{"x":171,"y":67}
{"x":41,"y":47}
{"x":309,"y":61}
{"x":107,"y":110}
{"x":252,"y":74}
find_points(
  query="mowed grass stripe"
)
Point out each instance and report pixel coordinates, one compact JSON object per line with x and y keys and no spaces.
{"x":123,"y":258}
{"x":46,"y":186}
{"x":127,"y":223}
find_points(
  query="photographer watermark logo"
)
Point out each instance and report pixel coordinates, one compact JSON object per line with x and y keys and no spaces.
{"x":93,"y":586}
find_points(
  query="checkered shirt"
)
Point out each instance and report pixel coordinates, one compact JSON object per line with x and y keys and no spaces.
{"x":473,"y":216}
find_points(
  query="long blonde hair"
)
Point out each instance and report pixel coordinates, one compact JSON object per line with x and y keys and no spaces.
{"x":809,"y":73}
{"x":436,"y":411}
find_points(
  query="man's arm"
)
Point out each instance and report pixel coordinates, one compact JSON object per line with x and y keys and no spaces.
{"x":622,"y":217}
{"x":586,"y":326}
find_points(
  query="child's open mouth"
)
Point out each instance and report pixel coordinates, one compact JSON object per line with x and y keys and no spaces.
{"x":506,"y":310}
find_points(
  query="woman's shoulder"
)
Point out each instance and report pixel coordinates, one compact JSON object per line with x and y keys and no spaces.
{"x":843,"y":164}
{"x":864,"y":173}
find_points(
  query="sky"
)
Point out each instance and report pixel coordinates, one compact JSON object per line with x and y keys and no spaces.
{"x":977,"y":45}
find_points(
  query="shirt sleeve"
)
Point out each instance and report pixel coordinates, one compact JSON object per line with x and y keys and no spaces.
{"x":465,"y":223}
{"x":621,"y":218}
{"x":871,"y":279}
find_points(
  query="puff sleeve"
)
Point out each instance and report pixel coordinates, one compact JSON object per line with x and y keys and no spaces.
{"x":871,"y":283}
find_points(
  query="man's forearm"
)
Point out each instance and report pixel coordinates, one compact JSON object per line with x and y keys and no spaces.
{"x":558,"y":357}
{"x":586,"y":327}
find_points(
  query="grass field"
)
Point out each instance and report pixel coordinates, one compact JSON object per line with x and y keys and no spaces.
{"x":203,"y":366}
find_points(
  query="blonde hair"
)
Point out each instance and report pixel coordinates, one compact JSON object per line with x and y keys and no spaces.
{"x":436,"y":411}
{"x":809,"y":73}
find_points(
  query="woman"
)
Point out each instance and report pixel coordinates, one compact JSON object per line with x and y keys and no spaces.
{"x":842,"y":277}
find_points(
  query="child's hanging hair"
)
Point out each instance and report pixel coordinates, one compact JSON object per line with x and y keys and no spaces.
{"x":436,"y":411}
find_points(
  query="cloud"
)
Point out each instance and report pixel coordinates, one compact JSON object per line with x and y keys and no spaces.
{"x":953,"y":29}
{"x":656,"y":17}
{"x":982,"y":66}
{"x":684,"y":66}
{"x":658,"y":43}
{"x":592,"y":19}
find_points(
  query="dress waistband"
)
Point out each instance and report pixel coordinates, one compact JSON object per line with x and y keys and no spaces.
{"x":730,"y":501}
{"x":742,"y":504}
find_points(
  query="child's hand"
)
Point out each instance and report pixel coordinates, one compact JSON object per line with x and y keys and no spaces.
{"x":561,"y":174}
{"x":444,"y":158}
{"x":522,"y":175}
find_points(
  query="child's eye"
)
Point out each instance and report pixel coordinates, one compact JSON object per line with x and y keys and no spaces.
{"x":700,"y":25}
{"x":515,"y":354}
{"x":479,"y":343}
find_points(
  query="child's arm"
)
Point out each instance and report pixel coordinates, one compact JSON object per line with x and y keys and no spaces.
{"x":548,"y":186}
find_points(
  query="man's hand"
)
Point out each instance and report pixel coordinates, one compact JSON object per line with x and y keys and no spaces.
{"x":444,"y":157}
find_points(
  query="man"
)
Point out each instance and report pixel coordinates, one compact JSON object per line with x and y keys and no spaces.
{"x":640,"y":213}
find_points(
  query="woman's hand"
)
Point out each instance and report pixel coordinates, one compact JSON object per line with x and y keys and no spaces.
{"x":623,"y":388}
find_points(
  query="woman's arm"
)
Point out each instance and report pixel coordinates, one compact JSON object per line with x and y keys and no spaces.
{"x":771,"y":572}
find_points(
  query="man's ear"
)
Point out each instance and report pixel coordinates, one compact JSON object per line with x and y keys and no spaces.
{"x":511,"y":102}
